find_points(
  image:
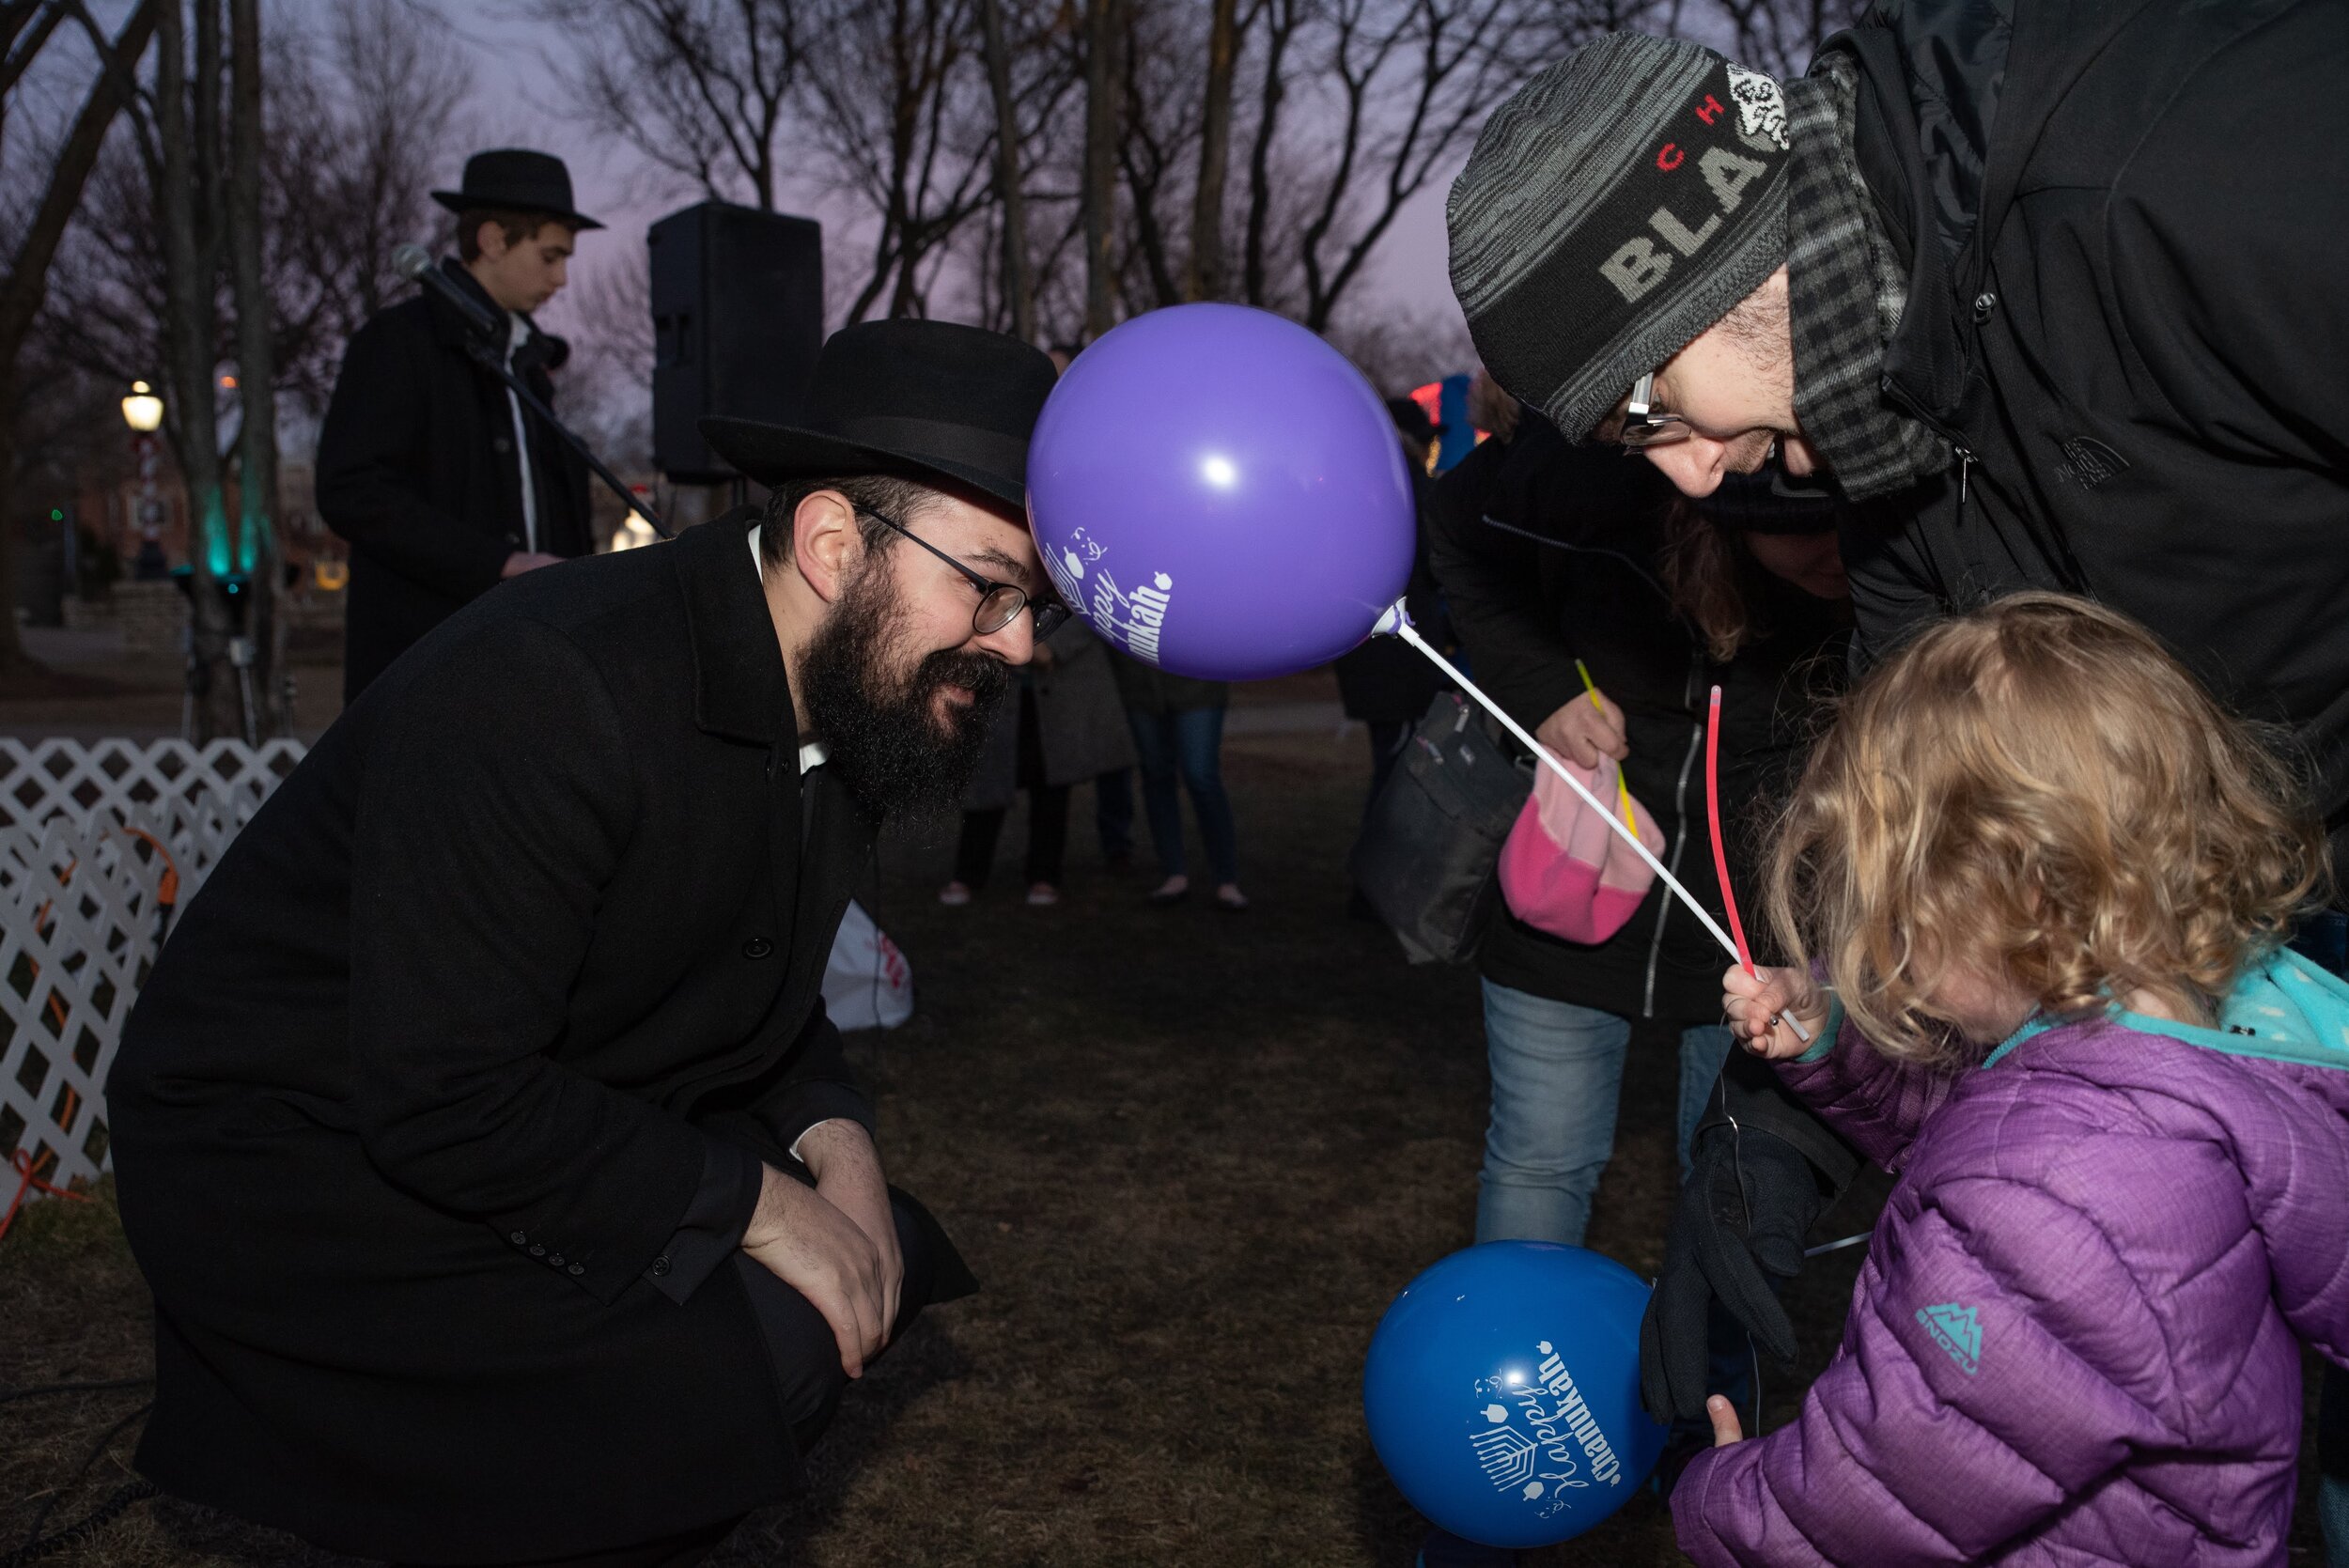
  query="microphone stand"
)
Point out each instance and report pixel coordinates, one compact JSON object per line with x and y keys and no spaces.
{"x":486,"y":355}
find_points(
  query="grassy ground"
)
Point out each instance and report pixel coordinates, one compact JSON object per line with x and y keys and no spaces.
{"x":1192,"y":1155}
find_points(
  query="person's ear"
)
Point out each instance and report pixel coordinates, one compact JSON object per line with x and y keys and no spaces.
{"x":490,"y":240}
{"x":825,"y":542}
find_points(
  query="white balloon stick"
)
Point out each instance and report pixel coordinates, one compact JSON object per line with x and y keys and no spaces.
{"x":1398,"y":624}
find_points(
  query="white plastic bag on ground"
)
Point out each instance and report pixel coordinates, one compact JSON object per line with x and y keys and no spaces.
{"x":867,"y":982}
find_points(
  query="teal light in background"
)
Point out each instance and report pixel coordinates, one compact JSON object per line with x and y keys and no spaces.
{"x":214,"y":534}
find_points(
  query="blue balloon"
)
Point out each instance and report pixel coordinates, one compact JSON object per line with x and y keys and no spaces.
{"x":1221,"y":495}
{"x":1503,"y":1392}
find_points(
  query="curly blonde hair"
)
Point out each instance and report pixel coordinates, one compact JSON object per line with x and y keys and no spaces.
{"x":2036,"y":792}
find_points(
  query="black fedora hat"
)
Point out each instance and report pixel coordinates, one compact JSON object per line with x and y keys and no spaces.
{"x":921,"y":399}
{"x":517,"y":179}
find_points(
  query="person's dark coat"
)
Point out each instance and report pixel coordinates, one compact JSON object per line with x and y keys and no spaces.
{"x":1386,"y":680}
{"x":1148,"y":690}
{"x":1591,"y":588}
{"x":417,"y":470}
{"x":1081,"y":722}
{"x":2125,"y":241}
{"x":428,"y":1076}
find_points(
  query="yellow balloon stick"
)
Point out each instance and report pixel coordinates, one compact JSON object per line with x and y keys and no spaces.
{"x":1623,"y":790}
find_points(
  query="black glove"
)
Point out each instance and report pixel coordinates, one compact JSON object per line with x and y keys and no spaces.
{"x":1748,"y":1202}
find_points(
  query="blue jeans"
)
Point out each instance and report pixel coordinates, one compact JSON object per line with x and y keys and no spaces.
{"x":1186,"y":745}
{"x":1557,"y":1072}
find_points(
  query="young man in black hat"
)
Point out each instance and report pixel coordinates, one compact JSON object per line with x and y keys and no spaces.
{"x":439,"y":477}
{"x":504,"y":1190}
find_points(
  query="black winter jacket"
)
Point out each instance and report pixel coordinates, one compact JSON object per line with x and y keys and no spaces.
{"x":1525,"y":610}
{"x":431,"y":1069}
{"x":417,"y":469}
{"x":2126,"y":225}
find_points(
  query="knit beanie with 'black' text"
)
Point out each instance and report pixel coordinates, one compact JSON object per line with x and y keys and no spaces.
{"x":1616,"y":206}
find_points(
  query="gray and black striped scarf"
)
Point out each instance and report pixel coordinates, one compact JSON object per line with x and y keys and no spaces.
{"x":1845,"y":291}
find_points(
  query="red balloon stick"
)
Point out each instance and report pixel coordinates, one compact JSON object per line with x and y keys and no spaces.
{"x":1712,"y":814}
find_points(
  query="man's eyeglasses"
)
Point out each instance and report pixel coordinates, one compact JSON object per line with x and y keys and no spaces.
{"x":1643,"y":423}
{"x":1000,"y":603}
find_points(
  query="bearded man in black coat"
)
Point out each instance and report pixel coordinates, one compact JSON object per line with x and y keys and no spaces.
{"x":441,"y":480}
{"x":504,"y":1190}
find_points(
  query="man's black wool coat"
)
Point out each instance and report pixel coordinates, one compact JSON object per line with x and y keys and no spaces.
{"x":2126,"y":236}
{"x":426,"y":1076}
{"x":417,"y":468}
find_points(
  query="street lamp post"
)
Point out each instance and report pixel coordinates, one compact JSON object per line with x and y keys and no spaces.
{"x":143,"y":413}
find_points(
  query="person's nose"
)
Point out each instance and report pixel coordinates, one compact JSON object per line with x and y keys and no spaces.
{"x":1013,"y":642}
{"x":1694,"y":466}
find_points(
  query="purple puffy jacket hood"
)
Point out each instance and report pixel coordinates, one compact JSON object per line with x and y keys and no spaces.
{"x":2077,"y":1335}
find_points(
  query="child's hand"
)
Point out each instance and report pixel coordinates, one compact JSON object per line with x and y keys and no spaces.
{"x":1725,"y":1428}
{"x":1758,"y":1005}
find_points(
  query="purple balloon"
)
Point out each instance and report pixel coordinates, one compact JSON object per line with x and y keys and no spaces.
{"x":1221,"y":495}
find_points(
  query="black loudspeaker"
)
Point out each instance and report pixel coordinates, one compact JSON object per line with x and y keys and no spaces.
{"x":738,"y":314}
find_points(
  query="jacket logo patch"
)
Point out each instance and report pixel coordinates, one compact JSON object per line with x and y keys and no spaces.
{"x":1957,"y":1331}
{"x":2089,"y":462}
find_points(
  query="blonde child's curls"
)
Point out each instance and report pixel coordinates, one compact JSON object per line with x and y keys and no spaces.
{"x":2038,"y":793}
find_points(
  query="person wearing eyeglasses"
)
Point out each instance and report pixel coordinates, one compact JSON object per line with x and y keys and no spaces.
{"x":505,"y":1191}
{"x":2031,"y":279}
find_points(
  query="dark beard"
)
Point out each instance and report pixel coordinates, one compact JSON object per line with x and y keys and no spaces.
{"x":879,"y":727}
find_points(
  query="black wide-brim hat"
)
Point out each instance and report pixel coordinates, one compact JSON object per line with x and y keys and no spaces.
{"x":518,"y":180}
{"x":913,"y":398}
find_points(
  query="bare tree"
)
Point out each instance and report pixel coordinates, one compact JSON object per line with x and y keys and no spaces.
{"x":184,"y":154}
{"x":700,"y":88}
{"x":268,"y":700}
{"x":27,"y":29}
{"x":1780,"y":36}
{"x":1018,"y":291}
{"x":1105,"y":94}
{"x":364,"y":115}
{"x":904,"y":123}
{"x":1203,"y":274}
{"x":359,"y":118}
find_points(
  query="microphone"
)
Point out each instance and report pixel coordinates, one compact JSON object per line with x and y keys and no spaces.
{"x":414,"y":263}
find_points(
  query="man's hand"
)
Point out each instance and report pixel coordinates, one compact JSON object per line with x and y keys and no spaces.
{"x":1759,"y":1005}
{"x":522,"y":561}
{"x":803,"y":1239}
{"x":848,"y":1172}
{"x":1582,"y":733}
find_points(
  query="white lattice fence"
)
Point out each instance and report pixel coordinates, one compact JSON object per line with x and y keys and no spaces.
{"x":79,"y":916}
{"x":194,"y":799}
{"x":96,"y":842}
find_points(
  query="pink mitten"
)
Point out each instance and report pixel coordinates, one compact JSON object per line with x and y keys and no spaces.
{"x":1564,"y":870}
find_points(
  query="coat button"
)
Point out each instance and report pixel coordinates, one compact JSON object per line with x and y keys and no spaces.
{"x":501,"y":445}
{"x":519,"y":1239}
{"x":576,"y":1268}
{"x":757,"y":947}
{"x":556,"y":1258}
{"x":660,"y":1267}
{"x":1984,"y":302}
{"x":537,"y":1251}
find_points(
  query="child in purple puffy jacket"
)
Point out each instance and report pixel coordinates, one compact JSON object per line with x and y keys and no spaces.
{"x":2044,"y":882}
